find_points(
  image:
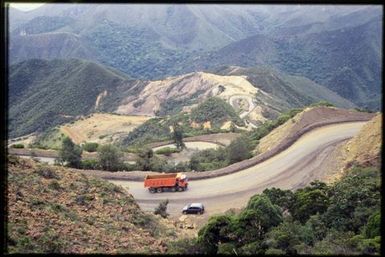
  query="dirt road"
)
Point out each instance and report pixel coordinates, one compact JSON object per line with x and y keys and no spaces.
{"x":293,"y":168}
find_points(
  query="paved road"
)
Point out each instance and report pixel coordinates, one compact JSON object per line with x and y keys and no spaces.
{"x":293,"y":168}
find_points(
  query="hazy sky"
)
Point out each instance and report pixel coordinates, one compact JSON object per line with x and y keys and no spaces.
{"x":26,"y":7}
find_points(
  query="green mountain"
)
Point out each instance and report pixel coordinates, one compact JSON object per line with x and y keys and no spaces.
{"x":283,"y":91}
{"x":336,"y":46}
{"x":347,"y":61}
{"x":45,"y":93}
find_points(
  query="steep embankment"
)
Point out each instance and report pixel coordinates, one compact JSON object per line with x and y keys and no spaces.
{"x":310,"y":117}
{"x":55,"y":210}
{"x":365,"y":148}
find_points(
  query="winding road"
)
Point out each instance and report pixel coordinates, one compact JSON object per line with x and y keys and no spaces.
{"x":294,"y":167}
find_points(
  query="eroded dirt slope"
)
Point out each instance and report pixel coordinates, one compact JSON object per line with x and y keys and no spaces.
{"x":191,"y":89}
{"x":365,"y":148}
{"x":303,"y":120}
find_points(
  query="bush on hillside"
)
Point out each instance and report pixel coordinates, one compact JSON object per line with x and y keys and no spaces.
{"x":167,"y":151}
{"x":110,"y":157}
{"x":17,"y":146}
{"x":216,"y":111}
{"x":161,"y":209}
{"x":90,"y":147}
{"x":239,"y":149}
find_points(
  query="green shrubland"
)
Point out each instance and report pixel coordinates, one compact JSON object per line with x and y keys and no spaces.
{"x":340,"y":218}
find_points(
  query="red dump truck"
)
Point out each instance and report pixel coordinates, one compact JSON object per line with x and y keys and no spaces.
{"x":166,"y":182}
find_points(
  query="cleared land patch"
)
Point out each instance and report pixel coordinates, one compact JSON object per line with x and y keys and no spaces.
{"x":102,"y":127}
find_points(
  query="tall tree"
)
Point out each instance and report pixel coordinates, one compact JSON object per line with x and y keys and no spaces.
{"x":70,"y":153}
{"x":178,"y":136}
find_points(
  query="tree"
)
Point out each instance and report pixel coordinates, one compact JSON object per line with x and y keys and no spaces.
{"x":161,"y":209}
{"x":259,"y":216}
{"x":217,"y":230}
{"x":110,"y":157}
{"x":144,"y":160}
{"x":310,"y":201}
{"x":239,"y":149}
{"x":288,"y":235}
{"x":70,"y":153}
{"x":178,"y":137}
{"x":373,"y":226}
{"x":282,"y":198}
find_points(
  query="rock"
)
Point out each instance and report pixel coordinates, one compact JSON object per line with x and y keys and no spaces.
{"x":182,"y":218}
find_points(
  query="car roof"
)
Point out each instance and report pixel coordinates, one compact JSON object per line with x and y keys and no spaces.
{"x":196,"y":205}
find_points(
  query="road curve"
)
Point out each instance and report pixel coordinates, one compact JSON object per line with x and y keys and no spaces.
{"x":294,"y":167}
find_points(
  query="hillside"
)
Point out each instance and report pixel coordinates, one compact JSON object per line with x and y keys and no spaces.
{"x":45,"y":93}
{"x":336,"y":46}
{"x":256,"y":93}
{"x":53,"y":210}
{"x":102,"y":127}
{"x":286,"y":91}
{"x":346,"y":60}
{"x":365,"y":148}
{"x":310,"y":116}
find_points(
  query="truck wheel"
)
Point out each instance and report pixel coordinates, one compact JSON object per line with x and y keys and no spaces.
{"x":152,"y":190}
{"x":159,"y":190}
{"x":173,"y":189}
{"x":180,"y":189}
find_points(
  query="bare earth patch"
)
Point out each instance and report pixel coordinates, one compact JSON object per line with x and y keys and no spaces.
{"x":102,"y":127}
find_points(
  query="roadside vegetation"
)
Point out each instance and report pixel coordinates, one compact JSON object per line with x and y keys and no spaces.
{"x":175,"y":128}
{"x":240,"y":149}
{"x":213,"y":110}
{"x":341,"y":218}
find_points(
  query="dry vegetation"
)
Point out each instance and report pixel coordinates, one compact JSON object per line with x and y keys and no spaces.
{"x":54,"y":210}
{"x":96,"y":127}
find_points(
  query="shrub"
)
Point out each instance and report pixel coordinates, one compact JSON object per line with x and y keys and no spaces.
{"x":239,"y":149}
{"x":161,"y":209}
{"x":322,"y":103}
{"x":89,"y":164}
{"x":54,"y":185}
{"x":167,"y":151}
{"x":215,"y":110}
{"x":90,"y":147}
{"x":17,"y":146}
{"x":110,"y":157}
{"x":47,"y":172}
